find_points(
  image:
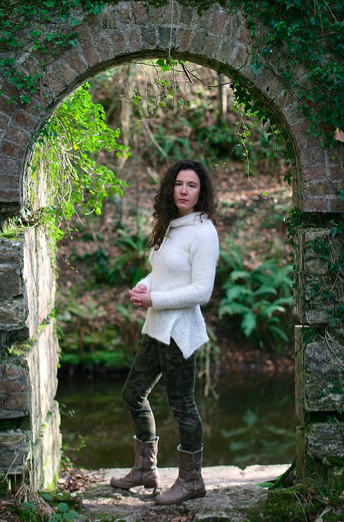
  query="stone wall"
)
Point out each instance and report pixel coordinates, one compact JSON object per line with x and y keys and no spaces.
{"x":28,"y":413}
{"x":29,"y":417}
{"x":27,"y":283}
{"x":218,"y":39}
{"x":319,"y":353}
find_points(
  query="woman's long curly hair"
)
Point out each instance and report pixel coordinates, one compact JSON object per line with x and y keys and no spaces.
{"x":164,"y":208}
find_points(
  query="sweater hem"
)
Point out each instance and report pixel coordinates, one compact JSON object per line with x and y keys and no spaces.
{"x":186,"y":354}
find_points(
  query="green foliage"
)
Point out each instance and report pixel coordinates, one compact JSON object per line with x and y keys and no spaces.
{"x":303,"y":502}
{"x":302,"y":33}
{"x":130,"y":265}
{"x":4,"y":485}
{"x":64,"y":514}
{"x":298,"y":33}
{"x":61,"y":511}
{"x":16,"y":16}
{"x":260,"y":297}
{"x":64,"y":161}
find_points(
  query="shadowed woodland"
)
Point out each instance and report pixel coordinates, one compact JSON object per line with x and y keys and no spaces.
{"x":186,"y":111}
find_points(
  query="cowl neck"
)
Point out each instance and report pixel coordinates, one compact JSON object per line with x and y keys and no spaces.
{"x":189,"y":219}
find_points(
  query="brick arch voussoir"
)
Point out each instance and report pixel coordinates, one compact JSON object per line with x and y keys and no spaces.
{"x":127,"y":31}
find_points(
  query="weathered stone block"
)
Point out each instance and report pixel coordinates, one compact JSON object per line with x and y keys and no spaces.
{"x":25,"y":120}
{"x":123,"y":12}
{"x":65,"y":73}
{"x":211,"y":44}
{"x":319,"y":366}
{"x":29,"y":379}
{"x":119,"y":43}
{"x":14,"y":452}
{"x":108,"y":20}
{"x":9,"y":181}
{"x":53,"y":85}
{"x":39,"y":278}
{"x":182,"y":39}
{"x":325,"y":441}
{"x":28,"y":281}
{"x":197,"y":41}
{"x":10,"y":282}
{"x":219,"y":20}
{"x":18,"y":136}
{"x":167,"y":38}
{"x":319,"y":291}
{"x":13,"y":150}
{"x":10,"y":252}
{"x":140,"y":12}
{"x":307,"y":466}
{"x":76,"y":61}
{"x":134,"y":40}
{"x":46,"y":453}
{"x":148,"y":37}
{"x":18,"y":454}
{"x":224,"y":51}
{"x":186,"y":15}
{"x":90,"y":54}
{"x":9,"y":167}
{"x":13,"y":314}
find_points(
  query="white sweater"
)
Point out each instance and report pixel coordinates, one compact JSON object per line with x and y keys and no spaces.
{"x":182,"y":278}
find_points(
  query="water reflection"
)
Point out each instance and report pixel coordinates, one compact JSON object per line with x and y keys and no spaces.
{"x":252,"y":422}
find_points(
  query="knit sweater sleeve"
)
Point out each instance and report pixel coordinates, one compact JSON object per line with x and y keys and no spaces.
{"x":147,"y":281}
{"x":204,"y":255}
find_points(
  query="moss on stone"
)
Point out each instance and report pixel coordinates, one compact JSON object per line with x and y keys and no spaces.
{"x":51,"y":485}
{"x":23,"y":347}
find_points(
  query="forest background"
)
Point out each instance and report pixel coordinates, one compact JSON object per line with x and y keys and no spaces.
{"x":167,"y":111}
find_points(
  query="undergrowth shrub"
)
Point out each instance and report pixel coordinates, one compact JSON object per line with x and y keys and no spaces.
{"x":261,"y":297}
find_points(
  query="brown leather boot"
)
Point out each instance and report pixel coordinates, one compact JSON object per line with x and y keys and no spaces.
{"x":144,"y":472}
{"x":189,"y":483}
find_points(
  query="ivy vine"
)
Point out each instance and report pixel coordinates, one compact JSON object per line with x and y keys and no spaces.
{"x":308,"y":36}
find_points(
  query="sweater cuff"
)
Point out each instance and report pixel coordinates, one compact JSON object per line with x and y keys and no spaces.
{"x":157,"y":302}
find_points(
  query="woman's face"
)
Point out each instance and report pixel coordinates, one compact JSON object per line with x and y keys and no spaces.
{"x":187,"y":187}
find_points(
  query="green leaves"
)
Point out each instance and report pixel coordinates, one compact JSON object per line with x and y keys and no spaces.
{"x":66,"y":155}
{"x":260,"y":296}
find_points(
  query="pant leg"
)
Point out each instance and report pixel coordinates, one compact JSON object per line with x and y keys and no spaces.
{"x":144,"y":374}
{"x":180,"y":375}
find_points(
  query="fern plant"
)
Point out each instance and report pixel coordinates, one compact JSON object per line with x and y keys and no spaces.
{"x":131,"y":263}
{"x":261,"y":297}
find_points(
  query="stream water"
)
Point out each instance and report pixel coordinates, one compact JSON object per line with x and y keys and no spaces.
{"x":251,"y":422}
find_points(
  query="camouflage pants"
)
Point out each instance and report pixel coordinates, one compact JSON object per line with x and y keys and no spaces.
{"x":153,"y":360}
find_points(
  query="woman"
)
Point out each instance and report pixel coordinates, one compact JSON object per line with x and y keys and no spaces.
{"x":184,"y":253}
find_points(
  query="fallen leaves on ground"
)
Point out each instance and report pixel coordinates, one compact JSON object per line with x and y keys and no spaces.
{"x":76,"y":480}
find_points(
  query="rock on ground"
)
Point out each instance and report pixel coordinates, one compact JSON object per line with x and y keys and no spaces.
{"x":231,"y":493}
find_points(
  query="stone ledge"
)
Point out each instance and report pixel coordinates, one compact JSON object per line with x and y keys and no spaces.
{"x":230,"y":494}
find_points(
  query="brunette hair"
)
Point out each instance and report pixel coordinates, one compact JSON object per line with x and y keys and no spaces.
{"x":164,"y":208}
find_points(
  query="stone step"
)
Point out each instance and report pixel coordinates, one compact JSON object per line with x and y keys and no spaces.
{"x":231,"y":494}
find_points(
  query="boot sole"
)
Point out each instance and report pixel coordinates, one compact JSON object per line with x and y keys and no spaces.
{"x":201,"y":494}
{"x":146,"y":486}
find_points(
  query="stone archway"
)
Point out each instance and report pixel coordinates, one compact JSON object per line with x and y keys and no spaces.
{"x":217,"y":39}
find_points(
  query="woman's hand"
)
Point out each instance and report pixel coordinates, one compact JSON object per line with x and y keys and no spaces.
{"x":140,"y":296}
{"x":139,"y":289}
